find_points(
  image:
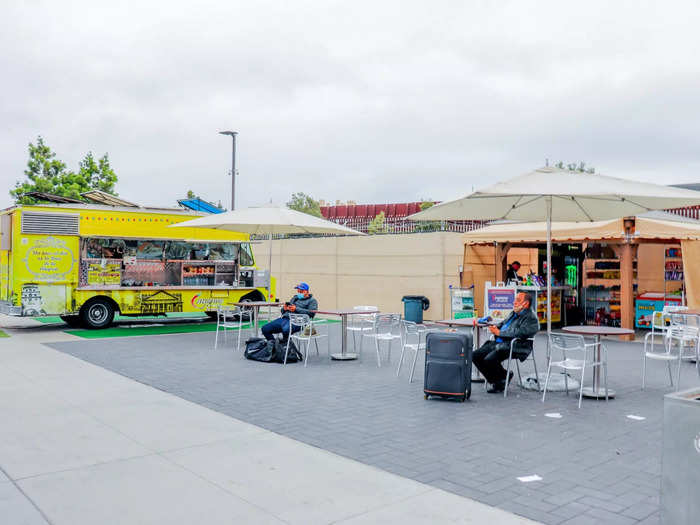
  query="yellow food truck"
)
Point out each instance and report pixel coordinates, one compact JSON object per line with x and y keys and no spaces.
{"x":87,"y":262}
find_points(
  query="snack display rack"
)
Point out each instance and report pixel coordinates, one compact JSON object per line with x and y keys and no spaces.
{"x":462,"y":303}
{"x":673,"y":270}
{"x":601,"y":286}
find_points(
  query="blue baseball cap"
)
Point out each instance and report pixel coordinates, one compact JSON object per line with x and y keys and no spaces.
{"x":302,"y":286}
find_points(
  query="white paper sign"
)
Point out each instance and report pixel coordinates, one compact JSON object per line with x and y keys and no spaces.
{"x":528,"y":479}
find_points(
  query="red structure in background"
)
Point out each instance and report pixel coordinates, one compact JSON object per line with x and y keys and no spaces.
{"x":692,"y":212}
{"x":358,"y":217}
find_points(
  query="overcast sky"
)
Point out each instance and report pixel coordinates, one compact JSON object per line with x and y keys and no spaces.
{"x":371,"y":101}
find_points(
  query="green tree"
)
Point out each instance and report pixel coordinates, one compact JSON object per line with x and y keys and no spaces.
{"x":378,"y":224}
{"x":425,"y":204}
{"x":97,"y":174}
{"x":427,"y":226}
{"x":47,"y":174}
{"x":305,"y":203}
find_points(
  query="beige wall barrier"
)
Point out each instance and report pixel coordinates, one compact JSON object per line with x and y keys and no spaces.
{"x":374,"y":270}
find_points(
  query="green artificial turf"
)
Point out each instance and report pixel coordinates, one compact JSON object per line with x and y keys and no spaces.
{"x":52,"y":319}
{"x":132,"y":331}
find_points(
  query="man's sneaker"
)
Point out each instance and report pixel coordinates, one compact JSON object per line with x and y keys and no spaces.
{"x":497,"y":388}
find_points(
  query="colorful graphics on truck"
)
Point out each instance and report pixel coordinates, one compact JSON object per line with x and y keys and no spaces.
{"x":63,"y":260}
{"x":48,"y":259}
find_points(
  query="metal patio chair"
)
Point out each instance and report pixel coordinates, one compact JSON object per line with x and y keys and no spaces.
{"x":361,"y":322}
{"x":306,"y":333}
{"x":531,"y":341}
{"x":660,"y":322}
{"x":412,"y":335}
{"x":228,"y":318}
{"x":575,"y":356}
{"x":684,"y":331}
{"x":387,"y":327}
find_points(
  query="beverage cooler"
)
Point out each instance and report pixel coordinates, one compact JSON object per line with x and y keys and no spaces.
{"x":650,"y":302}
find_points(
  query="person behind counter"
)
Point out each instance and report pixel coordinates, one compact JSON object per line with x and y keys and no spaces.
{"x":521,"y":323}
{"x":512,"y":273}
{"x":302,"y":303}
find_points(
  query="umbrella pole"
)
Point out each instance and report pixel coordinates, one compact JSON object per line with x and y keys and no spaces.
{"x":549,"y":266}
{"x":269,"y":266}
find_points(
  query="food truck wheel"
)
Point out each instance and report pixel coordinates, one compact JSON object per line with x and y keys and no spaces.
{"x":246,"y":311}
{"x":98,"y":313}
{"x":73,"y":321}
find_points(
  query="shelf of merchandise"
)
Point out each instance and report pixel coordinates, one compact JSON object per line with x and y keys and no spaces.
{"x":673,"y":270}
{"x":598,"y":292}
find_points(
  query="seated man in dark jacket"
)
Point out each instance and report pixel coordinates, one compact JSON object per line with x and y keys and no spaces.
{"x":521,"y":323}
{"x":302,"y":303}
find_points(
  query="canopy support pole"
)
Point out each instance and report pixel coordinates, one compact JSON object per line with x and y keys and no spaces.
{"x":627,"y":289}
{"x":548,"y":200}
{"x":269,"y":267}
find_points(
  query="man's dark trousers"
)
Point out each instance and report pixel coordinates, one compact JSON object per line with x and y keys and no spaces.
{"x":279,"y":326}
{"x":488,"y":360}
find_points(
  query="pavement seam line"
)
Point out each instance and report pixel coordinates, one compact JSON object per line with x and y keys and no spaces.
{"x":262,"y":430}
{"x":89,"y":465}
{"x":223,"y":489}
{"x":31,"y":501}
{"x":155,"y":452}
{"x":385,"y":505}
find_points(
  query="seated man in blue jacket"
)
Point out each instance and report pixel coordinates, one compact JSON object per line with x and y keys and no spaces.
{"x":521,"y":323}
{"x":302,"y":303}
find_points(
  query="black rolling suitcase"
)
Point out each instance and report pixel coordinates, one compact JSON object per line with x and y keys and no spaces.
{"x":448,"y":365}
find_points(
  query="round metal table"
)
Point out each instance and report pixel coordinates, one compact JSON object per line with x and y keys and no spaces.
{"x":344,"y":355}
{"x":255,"y":310}
{"x":596,"y":392}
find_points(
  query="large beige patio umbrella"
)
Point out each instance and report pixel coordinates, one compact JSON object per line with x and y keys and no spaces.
{"x":269,"y":220}
{"x":554,"y":194}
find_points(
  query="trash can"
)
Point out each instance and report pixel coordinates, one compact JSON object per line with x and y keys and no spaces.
{"x":413,"y":306}
{"x":680,"y":460}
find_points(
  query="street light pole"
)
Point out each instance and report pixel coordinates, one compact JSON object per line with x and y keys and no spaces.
{"x":233,"y":166}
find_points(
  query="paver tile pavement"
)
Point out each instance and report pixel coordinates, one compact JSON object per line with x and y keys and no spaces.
{"x":84,"y":445}
{"x":366,"y":413}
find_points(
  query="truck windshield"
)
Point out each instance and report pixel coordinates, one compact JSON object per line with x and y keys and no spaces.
{"x":246,"y":255}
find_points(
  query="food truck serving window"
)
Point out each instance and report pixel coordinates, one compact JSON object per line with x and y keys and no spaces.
{"x":153,"y":250}
{"x":129,"y":262}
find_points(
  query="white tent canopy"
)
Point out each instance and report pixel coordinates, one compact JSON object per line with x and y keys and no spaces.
{"x":267,"y":220}
{"x":575,"y":197}
{"x":554,"y":194}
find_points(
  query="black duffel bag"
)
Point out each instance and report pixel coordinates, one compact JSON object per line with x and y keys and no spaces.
{"x":259,"y":349}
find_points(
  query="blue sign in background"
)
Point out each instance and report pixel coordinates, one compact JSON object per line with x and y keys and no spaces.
{"x":501,"y":299}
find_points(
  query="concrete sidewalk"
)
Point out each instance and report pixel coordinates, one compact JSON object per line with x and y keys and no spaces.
{"x":81,"y":445}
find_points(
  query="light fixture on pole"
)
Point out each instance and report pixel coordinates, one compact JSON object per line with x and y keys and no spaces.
{"x":233,"y":166}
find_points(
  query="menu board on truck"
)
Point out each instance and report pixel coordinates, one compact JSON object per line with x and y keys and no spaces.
{"x":108,"y":274}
